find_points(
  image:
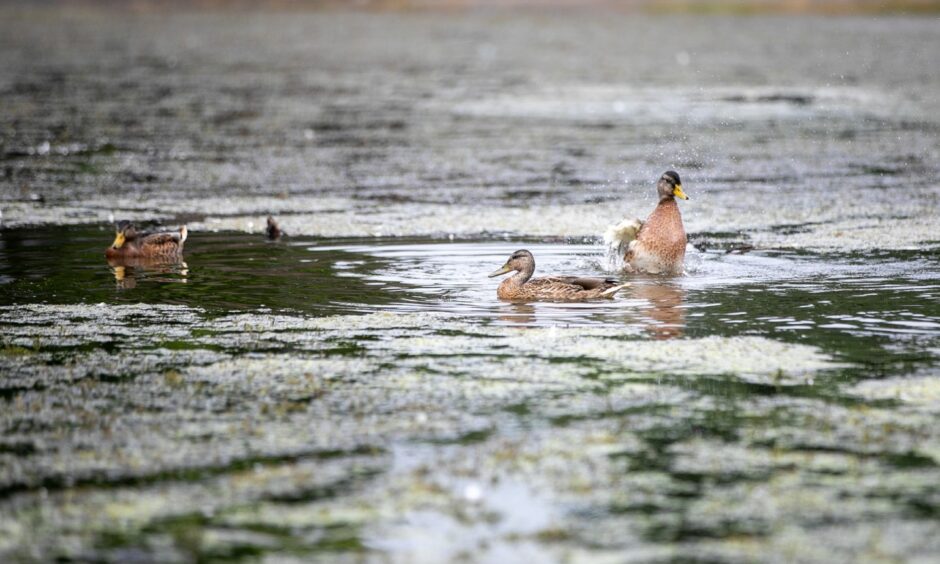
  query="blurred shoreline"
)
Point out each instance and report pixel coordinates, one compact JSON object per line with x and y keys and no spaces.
{"x":743,"y":7}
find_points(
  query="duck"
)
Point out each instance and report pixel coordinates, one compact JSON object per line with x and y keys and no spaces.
{"x":657,"y":245}
{"x":129,"y":243}
{"x":273,"y":231}
{"x":522,"y":287}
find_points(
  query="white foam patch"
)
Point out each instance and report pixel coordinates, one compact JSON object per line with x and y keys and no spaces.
{"x":752,"y":358}
{"x":19,"y":214}
{"x":357,"y":220}
{"x":756,"y":359}
{"x":487,"y":351}
{"x":909,"y":233}
{"x":920,"y":391}
{"x":701,"y":104}
{"x":720,"y":458}
{"x":275,"y":373}
{"x":872,"y":218}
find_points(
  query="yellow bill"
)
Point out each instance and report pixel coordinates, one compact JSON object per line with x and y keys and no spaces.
{"x":506,"y":268}
{"x":677,"y":191}
{"x":118,"y":241}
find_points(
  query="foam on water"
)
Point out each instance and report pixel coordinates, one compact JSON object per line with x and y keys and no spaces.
{"x":823,"y":219}
{"x":356,"y":392}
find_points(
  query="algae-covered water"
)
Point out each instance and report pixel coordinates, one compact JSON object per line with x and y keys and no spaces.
{"x":355,"y":392}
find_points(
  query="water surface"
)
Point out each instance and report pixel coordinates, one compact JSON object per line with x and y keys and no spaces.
{"x":355,"y":392}
{"x":387,"y":399}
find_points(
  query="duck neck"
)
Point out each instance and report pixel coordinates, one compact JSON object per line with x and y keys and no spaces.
{"x":667,"y":207}
{"x":520,"y":277}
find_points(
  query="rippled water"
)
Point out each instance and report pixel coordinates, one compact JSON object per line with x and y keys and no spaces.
{"x":870,"y":294}
{"x":758,"y":292}
{"x":356,"y":392}
{"x":663,"y":402}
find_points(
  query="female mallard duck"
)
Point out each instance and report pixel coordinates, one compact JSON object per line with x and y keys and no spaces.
{"x":519,"y":287}
{"x":656,"y":246}
{"x":128,"y":243}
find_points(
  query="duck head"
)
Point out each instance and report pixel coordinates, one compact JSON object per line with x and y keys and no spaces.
{"x":670,"y":186}
{"x":520,"y":261}
{"x":124,"y":231}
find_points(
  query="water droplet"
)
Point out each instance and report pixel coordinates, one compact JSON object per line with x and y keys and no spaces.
{"x":472,"y":492}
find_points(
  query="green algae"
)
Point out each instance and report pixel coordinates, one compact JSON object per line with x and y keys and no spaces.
{"x":422,"y":419}
{"x":354,"y":392}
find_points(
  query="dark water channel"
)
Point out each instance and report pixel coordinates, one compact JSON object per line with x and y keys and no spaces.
{"x":820,"y":297}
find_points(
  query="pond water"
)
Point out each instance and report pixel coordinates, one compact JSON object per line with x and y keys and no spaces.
{"x":725,"y":291}
{"x":765,"y":346}
{"x":356,"y":392}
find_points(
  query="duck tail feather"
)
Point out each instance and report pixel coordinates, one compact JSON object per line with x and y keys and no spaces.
{"x":614,"y":290}
{"x":183,"y":233}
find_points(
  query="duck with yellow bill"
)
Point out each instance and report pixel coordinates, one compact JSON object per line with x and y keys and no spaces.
{"x":657,"y":245}
{"x":130,"y":243}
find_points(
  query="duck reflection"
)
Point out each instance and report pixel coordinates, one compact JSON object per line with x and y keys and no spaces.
{"x":128,"y":270}
{"x":665,"y":313}
{"x":518,"y":313}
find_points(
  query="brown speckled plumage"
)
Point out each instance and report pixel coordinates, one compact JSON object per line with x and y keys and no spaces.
{"x":659,"y":247}
{"x":128,"y":243}
{"x":522,"y":287}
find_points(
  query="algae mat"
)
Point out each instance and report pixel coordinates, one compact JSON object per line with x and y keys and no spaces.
{"x":765,"y":403}
{"x":355,"y":392}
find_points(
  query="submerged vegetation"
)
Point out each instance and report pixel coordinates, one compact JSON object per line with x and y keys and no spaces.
{"x":203,"y":431}
{"x":355,"y":391}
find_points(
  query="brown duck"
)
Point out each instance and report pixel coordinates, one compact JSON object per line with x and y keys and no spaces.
{"x":273,"y":230}
{"x":656,"y":246}
{"x":522,"y":287}
{"x":128,"y":243}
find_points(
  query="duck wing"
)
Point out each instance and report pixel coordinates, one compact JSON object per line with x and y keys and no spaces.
{"x":160,"y":239}
{"x":569,"y":288}
{"x":618,"y":236}
{"x":164,"y":237}
{"x":164,"y":242}
{"x":586,"y":282}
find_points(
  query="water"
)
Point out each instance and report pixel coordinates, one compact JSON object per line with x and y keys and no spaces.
{"x":357,"y":392}
{"x":667,"y":399}
{"x":756,"y":292}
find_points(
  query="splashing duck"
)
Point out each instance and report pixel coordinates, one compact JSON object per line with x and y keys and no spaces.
{"x":128,"y":243}
{"x":656,"y":246}
{"x":522,"y":287}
